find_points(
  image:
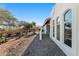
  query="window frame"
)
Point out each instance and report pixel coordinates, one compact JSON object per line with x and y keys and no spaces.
{"x":65,"y":29}
{"x":57,"y":23}
{"x":53,"y":28}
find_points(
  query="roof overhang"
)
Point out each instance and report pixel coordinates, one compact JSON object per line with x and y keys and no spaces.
{"x":47,"y":20}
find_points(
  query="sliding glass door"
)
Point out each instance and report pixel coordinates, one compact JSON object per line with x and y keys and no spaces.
{"x":58,"y":28}
{"x":53,"y":28}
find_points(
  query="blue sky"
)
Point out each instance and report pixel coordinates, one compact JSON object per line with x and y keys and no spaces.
{"x":29,"y":12}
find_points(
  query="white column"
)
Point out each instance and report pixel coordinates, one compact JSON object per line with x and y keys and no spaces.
{"x":40,"y":34}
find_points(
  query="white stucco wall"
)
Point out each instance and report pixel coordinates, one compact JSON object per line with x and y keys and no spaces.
{"x":59,"y":10}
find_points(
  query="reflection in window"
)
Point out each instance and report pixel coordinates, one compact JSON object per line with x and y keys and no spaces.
{"x":58,"y":28}
{"x":68,"y":28}
{"x":53,"y":28}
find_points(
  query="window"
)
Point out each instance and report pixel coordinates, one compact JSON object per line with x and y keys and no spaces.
{"x":48,"y":29}
{"x":58,"y":28}
{"x":68,"y":28}
{"x":53,"y":28}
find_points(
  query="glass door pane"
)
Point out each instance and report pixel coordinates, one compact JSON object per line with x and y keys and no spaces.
{"x":68,"y":28}
{"x":58,"y":28}
{"x":53,"y":28}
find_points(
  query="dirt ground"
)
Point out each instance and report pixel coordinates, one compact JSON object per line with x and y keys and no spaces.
{"x":15,"y":47}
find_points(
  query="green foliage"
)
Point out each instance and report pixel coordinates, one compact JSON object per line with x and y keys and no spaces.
{"x":27,"y":25}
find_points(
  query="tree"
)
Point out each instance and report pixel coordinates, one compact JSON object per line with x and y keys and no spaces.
{"x":33,"y":23}
{"x":28,"y":26}
{"x":7,"y":17}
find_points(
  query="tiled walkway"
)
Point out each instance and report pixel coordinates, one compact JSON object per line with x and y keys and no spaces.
{"x":44,"y":47}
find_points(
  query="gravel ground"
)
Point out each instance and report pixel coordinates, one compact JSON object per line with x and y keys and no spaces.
{"x":15,"y":47}
{"x":44,"y":47}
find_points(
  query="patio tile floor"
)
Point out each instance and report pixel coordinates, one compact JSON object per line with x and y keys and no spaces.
{"x":44,"y":47}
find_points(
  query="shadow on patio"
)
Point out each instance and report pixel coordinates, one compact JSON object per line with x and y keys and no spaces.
{"x":44,"y":47}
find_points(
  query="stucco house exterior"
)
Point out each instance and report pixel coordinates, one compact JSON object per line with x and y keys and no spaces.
{"x":46,"y":26}
{"x":64,"y":27}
